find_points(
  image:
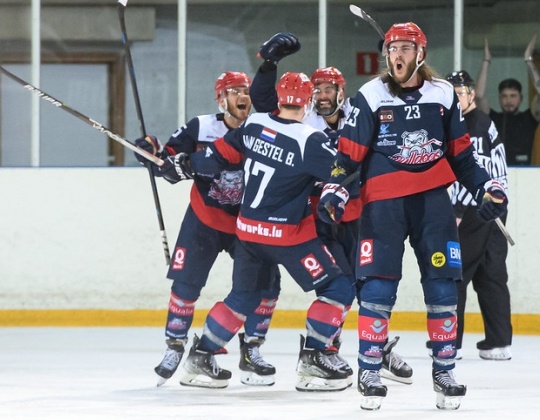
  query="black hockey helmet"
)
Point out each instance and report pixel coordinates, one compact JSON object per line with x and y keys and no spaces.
{"x":460,"y":78}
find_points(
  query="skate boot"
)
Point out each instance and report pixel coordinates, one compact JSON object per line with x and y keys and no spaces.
{"x":316,"y":371}
{"x":371,"y":388}
{"x":171,"y":360}
{"x":393,"y":366}
{"x":449,"y":393}
{"x":487,"y":352}
{"x":254,"y":369}
{"x":202,"y":370}
{"x":335,"y":358}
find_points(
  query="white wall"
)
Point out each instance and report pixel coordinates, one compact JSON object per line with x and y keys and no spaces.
{"x":88,"y":238}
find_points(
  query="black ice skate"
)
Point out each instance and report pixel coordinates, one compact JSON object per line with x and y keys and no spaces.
{"x":317,"y":372}
{"x":371,"y":388}
{"x":202,"y":370}
{"x":254,"y":369}
{"x":333,"y":354}
{"x":171,"y":360}
{"x":393,"y":366}
{"x":449,"y":393}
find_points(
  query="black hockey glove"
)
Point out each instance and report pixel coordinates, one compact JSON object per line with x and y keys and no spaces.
{"x":279,"y":46}
{"x":176,"y":168}
{"x":493,"y":201}
{"x":151,"y":144}
{"x":331,"y":206}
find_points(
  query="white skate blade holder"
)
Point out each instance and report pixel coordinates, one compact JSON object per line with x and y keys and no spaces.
{"x":160,"y":381}
{"x":203,"y":381}
{"x":371,"y":403}
{"x":252,"y":379}
{"x":315,"y":384}
{"x":445,"y":402}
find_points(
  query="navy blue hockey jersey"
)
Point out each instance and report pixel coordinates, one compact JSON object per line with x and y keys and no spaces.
{"x":408,"y":144}
{"x":215,"y":199}
{"x":282,"y":160}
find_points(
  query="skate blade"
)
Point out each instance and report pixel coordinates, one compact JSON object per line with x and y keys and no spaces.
{"x":203,"y":381}
{"x":371,"y":403}
{"x":160,"y":380}
{"x":314,"y":384}
{"x":386,"y":374}
{"x":252,"y":379}
{"x":448,"y":403}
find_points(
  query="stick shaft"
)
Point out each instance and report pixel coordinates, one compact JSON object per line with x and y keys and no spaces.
{"x":357,"y":11}
{"x":504,"y":231}
{"x":131,"y":69}
{"x":93,"y":123}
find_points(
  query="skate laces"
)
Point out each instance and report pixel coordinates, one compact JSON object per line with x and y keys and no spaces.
{"x":337,"y":361}
{"x":371,"y":378}
{"x":171,"y":359}
{"x":395,"y":361}
{"x":256,"y":358}
{"x":445,"y":378}
{"x":213,"y":364}
{"x":324,"y":360}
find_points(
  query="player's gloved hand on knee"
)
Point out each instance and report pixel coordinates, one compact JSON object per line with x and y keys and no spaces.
{"x":176,"y":168}
{"x":151,"y":144}
{"x":331,"y":206}
{"x":493,"y":201}
{"x":277,"y":47}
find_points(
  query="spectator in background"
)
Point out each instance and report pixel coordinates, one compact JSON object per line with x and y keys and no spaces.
{"x":516,"y":129}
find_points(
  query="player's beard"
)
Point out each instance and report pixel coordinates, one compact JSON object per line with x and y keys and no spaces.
{"x":327,"y":111}
{"x":410,"y":69}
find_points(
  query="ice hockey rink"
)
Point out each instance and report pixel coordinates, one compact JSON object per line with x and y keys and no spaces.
{"x":107,"y":373}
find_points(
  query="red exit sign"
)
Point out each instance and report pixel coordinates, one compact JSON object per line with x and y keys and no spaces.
{"x":367,"y":63}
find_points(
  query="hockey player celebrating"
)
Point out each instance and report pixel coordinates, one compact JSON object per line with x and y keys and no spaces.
{"x":331,"y":106}
{"x":209,"y":228}
{"x":406,"y":137}
{"x":282,"y":160}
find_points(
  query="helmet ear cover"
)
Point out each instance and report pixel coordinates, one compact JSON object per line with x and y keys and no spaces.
{"x":231,"y":79}
{"x":294,"y":89}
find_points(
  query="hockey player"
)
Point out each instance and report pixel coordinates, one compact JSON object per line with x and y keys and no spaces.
{"x":406,"y":137}
{"x":209,"y":228}
{"x":331,"y":106}
{"x":282,"y":160}
{"x":483,"y":246}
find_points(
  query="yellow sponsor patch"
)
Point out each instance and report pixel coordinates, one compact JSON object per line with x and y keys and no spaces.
{"x":438,"y":259}
{"x":337,"y":171}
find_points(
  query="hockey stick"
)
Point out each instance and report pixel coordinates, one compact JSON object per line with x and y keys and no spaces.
{"x":93,"y":123}
{"x":504,"y":231}
{"x":355,"y":10}
{"x":129,"y":61}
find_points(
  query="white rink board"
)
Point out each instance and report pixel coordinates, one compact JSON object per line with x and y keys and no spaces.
{"x":88,"y":238}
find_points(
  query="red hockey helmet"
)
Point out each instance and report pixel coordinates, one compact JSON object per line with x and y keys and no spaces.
{"x":294,"y":89}
{"x":408,"y":31}
{"x":328,"y":75}
{"x":231,"y":79}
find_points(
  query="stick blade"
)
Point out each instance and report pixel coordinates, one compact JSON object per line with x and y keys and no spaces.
{"x":357,"y":11}
{"x":123,"y":2}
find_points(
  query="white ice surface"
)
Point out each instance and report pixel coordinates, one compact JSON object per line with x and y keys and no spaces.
{"x":107,"y":373}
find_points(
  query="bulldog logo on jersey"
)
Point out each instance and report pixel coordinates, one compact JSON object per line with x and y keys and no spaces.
{"x":228,"y":189}
{"x":417,"y":148}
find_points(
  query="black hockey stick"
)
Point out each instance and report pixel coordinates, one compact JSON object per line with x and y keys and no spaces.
{"x":121,"y":11}
{"x":93,"y":123}
{"x":355,"y":10}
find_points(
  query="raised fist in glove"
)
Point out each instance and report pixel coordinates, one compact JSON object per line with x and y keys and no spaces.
{"x":151,"y":144}
{"x":492,"y":200}
{"x":332,"y":203}
{"x":280,"y":45}
{"x":176,"y":168}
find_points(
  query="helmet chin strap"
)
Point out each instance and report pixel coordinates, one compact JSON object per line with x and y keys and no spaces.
{"x":225,"y":110}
